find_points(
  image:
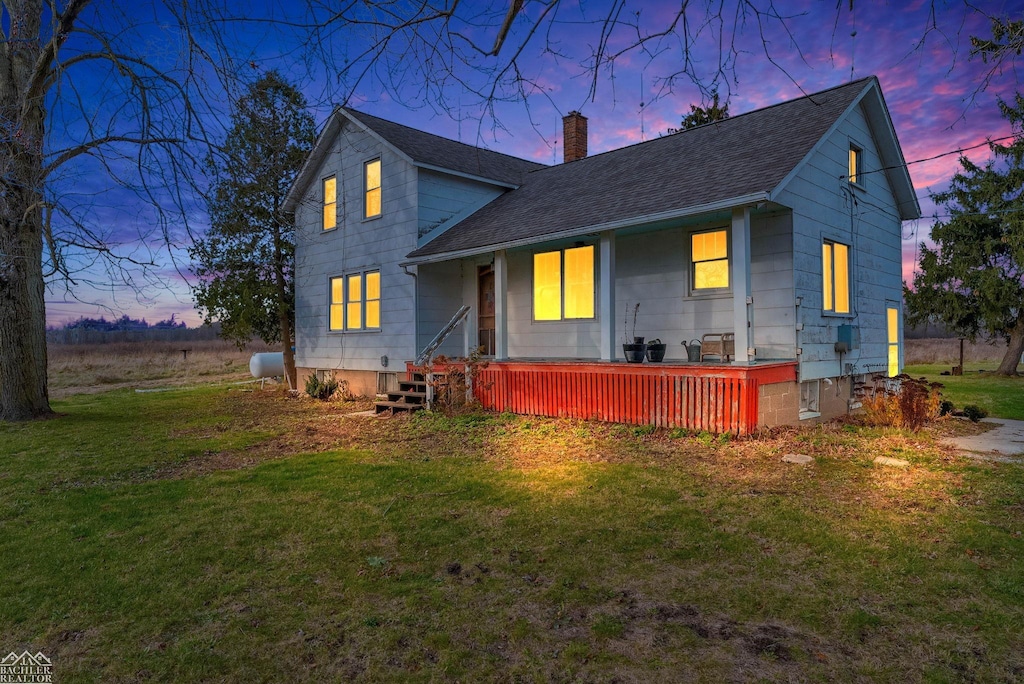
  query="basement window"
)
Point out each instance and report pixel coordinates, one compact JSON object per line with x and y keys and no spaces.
{"x":810,"y":392}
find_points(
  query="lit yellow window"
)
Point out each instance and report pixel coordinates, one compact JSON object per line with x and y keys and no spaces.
{"x":337,"y":313}
{"x":579,"y":282}
{"x":354,"y":303}
{"x":563,"y":293}
{"x":835,"y":271}
{"x":330,"y":202}
{"x":372,"y":183}
{"x":373,"y":299}
{"x":709,"y":256}
{"x":892,"y":316}
{"x":854,"y":165}
{"x":547,"y":286}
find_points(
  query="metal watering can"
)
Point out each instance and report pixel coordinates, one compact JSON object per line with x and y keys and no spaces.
{"x":692,"y":350}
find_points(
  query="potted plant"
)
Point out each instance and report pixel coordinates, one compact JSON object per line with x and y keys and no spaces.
{"x":656,"y":350}
{"x":636,"y":350}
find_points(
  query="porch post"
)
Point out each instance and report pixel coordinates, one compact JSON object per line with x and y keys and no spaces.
{"x":500,"y":306}
{"x":742,"y":304}
{"x":606,"y":295}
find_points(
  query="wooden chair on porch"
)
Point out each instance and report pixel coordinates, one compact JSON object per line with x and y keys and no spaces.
{"x":722,"y":345}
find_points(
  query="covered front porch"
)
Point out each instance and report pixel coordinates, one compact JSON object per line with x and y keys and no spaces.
{"x":716,"y":397}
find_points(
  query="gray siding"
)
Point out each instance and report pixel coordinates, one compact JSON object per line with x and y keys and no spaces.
{"x":651,"y":268}
{"x":439,"y":296}
{"x":356,"y":245}
{"x":444,"y":199}
{"x":823,"y":210}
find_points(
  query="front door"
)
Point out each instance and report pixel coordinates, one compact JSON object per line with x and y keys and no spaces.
{"x":485,"y":307}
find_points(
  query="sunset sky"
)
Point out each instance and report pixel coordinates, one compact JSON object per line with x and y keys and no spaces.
{"x":939,"y":99}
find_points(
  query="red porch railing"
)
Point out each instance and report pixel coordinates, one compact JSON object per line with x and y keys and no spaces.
{"x":717,"y":398}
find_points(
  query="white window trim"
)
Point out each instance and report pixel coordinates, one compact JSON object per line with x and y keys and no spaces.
{"x":379,"y":187}
{"x":832,"y":313}
{"x":858,"y":180}
{"x":561,"y":274}
{"x":344,"y":303}
{"x":323,"y":202}
{"x":708,"y":292}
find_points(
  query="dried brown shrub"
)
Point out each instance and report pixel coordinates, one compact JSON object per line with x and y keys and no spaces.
{"x":903,"y":402}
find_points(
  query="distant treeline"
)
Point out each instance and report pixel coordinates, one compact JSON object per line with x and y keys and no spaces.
{"x":127,"y":329}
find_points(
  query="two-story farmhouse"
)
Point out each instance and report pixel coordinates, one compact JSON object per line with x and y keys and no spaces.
{"x":780,"y":227}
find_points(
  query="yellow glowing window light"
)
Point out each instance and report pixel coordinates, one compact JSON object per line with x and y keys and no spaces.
{"x":373,"y":299}
{"x":826,"y":275}
{"x":337,"y":312}
{"x":547,"y":286}
{"x":354,"y":302}
{"x":709,"y":254}
{"x":893,"y":324}
{"x":372,"y":205}
{"x":579,"y":282}
{"x":330,"y":202}
{"x":835,"y":271}
{"x":854,"y":165}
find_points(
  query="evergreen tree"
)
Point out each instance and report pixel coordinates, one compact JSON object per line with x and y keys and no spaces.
{"x":699,"y":116}
{"x":245,"y":264}
{"x":973,"y":279}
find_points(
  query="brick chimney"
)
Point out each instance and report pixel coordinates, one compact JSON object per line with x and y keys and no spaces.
{"x":574,"y":136}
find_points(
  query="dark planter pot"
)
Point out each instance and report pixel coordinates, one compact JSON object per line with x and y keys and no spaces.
{"x":638,"y":340}
{"x":634,"y":353}
{"x":656,"y":352}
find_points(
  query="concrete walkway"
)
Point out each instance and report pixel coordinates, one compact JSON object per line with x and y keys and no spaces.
{"x":1003,"y":443}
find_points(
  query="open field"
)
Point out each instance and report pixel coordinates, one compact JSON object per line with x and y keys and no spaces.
{"x":89,"y":368}
{"x":222,"y":534}
{"x":947,"y":352}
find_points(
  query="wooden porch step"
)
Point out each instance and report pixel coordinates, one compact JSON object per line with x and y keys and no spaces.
{"x":382,"y":406}
{"x":411,"y":396}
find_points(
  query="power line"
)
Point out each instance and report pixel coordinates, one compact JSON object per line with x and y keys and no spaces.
{"x":937,"y":156}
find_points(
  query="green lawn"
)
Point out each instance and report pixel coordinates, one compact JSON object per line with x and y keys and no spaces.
{"x":215,"y":535}
{"x":1002,"y":397}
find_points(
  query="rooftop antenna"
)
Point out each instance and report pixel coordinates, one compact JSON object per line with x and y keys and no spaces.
{"x":642,"y":106}
{"x":853,"y":38}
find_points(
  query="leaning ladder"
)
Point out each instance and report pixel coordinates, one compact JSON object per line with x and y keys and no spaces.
{"x":441,"y":336}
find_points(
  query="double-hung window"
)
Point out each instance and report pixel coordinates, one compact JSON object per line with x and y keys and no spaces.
{"x":563,"y":284}
{"x":709,"y":260}
{"x":835,"y":269}
{"x":330,"y":206}
{"x":355,"y":301}
{"x":371,"y":189}
{"x":855,"y":172}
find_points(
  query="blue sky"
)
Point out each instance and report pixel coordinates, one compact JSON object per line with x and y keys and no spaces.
{"x":921,"y":57}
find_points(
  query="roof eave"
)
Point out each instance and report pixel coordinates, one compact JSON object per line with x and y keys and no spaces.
{"x":685,"y":212}
{"x":468,"y":176}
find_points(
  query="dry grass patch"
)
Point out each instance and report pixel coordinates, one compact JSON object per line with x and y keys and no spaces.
{"x":91,"y":368}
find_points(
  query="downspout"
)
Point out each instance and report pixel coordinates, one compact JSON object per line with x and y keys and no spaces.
{"x":415,"y":307}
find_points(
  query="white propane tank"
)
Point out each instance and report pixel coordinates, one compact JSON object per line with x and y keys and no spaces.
{"x":267,"y":365}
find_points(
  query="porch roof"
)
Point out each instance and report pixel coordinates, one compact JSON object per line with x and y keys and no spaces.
{"x":715,"y":166}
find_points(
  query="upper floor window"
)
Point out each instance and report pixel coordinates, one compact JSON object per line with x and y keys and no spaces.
{"x":563,"y":284}
{"x":709,"y":260}
{"x":856,"y":154}
{"x":371,"y":185}
{"x":355,"y":301}
{"x":835,"y":269}
{"x":330,"y":192}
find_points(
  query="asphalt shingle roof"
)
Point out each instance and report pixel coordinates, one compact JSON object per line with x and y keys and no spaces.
{"x":739,"y":156}
{"x":427,"y":148}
